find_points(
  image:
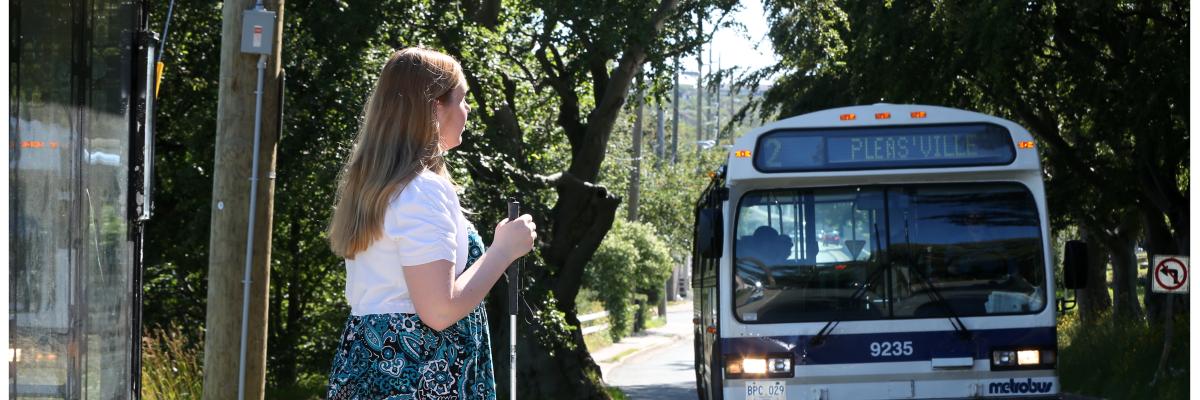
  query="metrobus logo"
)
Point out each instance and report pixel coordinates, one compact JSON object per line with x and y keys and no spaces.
{"x":1015,"y":387}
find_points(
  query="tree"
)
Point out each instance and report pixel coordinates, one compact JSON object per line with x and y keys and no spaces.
{"x":1098,"y":84}
{"x":547,"y":82}
{"x":587,"y":55}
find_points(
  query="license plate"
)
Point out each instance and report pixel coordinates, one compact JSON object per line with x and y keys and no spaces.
{"x":766,"y":390}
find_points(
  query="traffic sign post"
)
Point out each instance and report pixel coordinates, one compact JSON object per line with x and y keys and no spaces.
{"x":1169,"y":274}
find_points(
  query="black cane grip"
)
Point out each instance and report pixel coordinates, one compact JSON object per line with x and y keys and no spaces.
{"x":514,"y":271}
{"x":514,"y":210}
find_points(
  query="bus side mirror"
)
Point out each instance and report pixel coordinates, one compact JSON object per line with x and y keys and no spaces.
{"x":708,"y":233}
{"x":1075,"y":265}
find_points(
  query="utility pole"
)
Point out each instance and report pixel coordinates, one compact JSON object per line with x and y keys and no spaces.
{"x":717,"y":108}
{"x":231,"y":208}
{"x":732,"y":96}
{"x":660,"y":149}
{"x":635,"y":178}
{"x":675,"y":117}
{"x":699,"y":84}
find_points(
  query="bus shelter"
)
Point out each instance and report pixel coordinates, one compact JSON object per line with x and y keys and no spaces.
{"x":78,"y":196}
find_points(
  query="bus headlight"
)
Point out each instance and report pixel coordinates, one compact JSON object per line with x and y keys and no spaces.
{"x":1028,"y":357}
{"x":754,"y":366}
{"x":1004,"y":358}
{"x":780,"y":365}
{"x":774,"y":365}
{"x":1023,"y":358}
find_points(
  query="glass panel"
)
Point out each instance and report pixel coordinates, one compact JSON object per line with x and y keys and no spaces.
{"x":107,"y":251}
{"x":977,"y":245}
{"x":71,"y":259}
{"x":887,"y":252}
{"x":808,"y":256}
{"x":42,"y":177}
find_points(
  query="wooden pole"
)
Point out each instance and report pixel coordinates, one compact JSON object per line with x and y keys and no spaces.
{"x":230,"y":209}
{"x":675,"y":117}
{"x":635,"y":178}
{"x":699,"y":85}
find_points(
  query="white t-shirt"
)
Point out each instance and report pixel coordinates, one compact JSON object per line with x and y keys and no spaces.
{"x":423,"y":223}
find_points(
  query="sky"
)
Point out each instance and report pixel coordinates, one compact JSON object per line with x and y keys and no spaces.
{"x":750,"y":49}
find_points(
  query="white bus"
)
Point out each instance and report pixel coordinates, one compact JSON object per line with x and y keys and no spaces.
{"x":881,"y":251}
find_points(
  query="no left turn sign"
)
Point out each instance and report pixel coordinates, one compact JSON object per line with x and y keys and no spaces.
{"x":1170,"y":274}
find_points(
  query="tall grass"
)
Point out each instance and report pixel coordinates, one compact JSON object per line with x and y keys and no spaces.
{"x":1117,"y":359}
{"x":171,"y":365}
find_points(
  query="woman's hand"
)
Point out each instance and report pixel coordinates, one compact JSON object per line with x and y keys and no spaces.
{"x":515,"y":238}
{"x":441,"y":298}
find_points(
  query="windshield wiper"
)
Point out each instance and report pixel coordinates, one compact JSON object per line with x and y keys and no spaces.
{"x":933,"y":292}
{"x":862,"y":291}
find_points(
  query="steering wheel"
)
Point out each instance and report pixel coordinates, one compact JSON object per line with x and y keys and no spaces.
{"x":760,"y":264}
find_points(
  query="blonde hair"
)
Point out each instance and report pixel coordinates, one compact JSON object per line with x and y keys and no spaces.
{"x":397,"y":140}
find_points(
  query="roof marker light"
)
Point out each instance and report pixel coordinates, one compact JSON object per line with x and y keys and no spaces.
{"x":1025,"y":144}
{"x":848,"y":117}
{"x":883,"y":115}
{"x":917,"y":114}
{"x":742,"y":154}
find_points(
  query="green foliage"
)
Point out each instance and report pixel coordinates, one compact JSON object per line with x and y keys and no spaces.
{"x":1116,"y":358}
{"x":171,"y":364}
{"x":667,"y":191}
{"x":1099,"y":84}
{"x":525,"y":111}
{"x":176,"y":252}
{"x":631,"y":262}
{"x":1088,"y":79}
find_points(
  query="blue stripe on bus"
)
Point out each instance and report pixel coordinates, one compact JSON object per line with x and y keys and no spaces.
{"x":856,"y":348}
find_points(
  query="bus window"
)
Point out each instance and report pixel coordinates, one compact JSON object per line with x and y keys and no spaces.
{"x":979,"y":245}
{"x":801,"y":255}
{"x":804,"y":255}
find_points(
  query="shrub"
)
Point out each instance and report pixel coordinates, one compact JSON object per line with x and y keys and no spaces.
{"x":1116,"y":359}
{"x":631,"y":262}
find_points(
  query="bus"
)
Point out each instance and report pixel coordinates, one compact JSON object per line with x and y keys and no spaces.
{"x":876,"y":251}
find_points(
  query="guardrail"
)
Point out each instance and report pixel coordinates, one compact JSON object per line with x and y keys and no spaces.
{"x":584,"y":319}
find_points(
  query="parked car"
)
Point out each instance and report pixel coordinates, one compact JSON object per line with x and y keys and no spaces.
{"x":831,"y":237}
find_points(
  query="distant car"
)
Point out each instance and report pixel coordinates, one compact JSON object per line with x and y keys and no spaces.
{"x":831,"y":237}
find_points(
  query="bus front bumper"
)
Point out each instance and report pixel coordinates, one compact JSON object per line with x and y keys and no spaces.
{"x":1028,"y":385}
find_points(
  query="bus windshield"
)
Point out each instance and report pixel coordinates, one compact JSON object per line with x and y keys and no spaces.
{"x":881,"y":252}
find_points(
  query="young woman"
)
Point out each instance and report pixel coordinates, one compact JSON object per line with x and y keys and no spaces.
{"x":416,"y":272}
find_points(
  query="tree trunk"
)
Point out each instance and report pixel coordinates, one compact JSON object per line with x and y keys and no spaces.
{"x":1124,"y":270}
{"x":1093,"y":300}
{"x":553,"y":362}
{"x":1124,"y":282}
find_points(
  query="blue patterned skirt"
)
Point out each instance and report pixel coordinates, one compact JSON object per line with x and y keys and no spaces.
{"x":395,"y":356}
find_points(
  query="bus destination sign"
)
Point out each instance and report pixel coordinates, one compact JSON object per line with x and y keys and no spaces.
{"x":884,"y":147}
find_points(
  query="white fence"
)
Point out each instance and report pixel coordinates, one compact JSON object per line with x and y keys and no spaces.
{"x":584,"y":319}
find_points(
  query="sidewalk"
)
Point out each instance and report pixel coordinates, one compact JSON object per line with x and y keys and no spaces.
{"x":678,"y":327}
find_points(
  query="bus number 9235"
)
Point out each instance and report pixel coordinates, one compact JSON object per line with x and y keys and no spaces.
{"x":891,"y":349}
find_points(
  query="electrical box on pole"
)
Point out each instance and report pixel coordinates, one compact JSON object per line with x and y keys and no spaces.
{"x":258,"y":31}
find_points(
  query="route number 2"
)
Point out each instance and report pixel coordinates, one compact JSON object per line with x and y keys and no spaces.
{"x":773,"y":147}
{"x":891,"y":349}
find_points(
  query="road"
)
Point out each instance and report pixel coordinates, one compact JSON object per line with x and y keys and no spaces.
{"x":665,"y":372}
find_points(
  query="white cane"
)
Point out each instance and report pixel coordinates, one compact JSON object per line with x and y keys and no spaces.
{"x":514,"y":292}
